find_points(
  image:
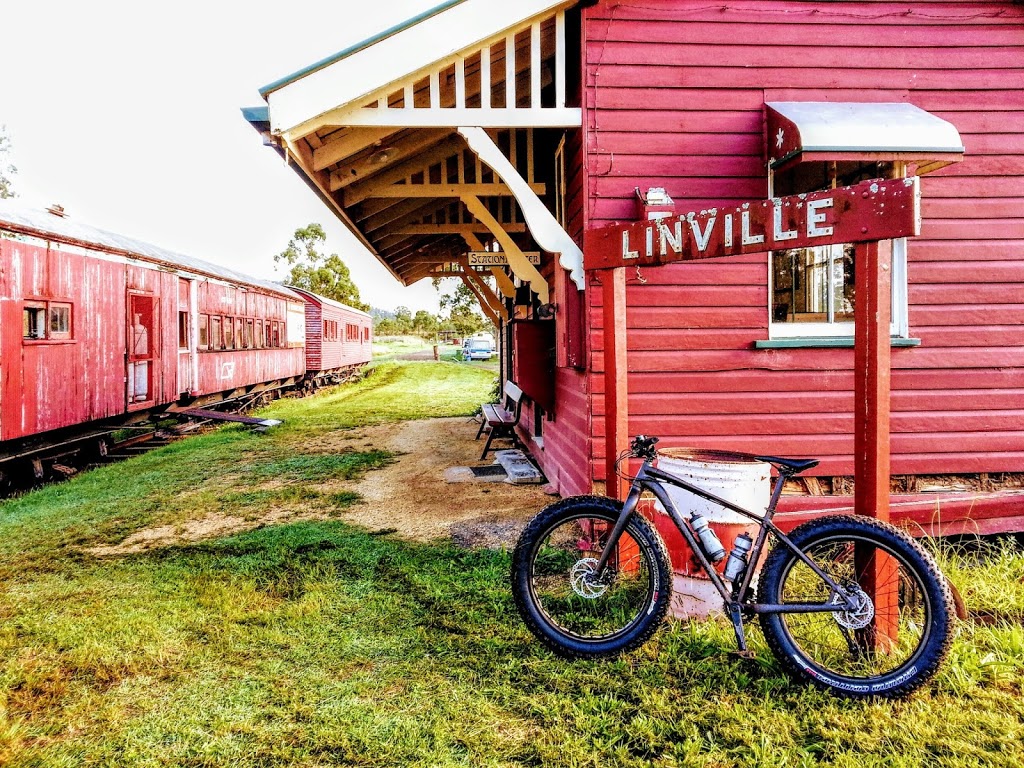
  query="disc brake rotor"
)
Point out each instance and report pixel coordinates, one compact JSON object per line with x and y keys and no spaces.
{"x":859,"y":616}
{"x":583,"y":578}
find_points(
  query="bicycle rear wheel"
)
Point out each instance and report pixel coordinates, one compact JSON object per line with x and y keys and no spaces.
{"x":572,"y":609}
{"x":895,"y":639}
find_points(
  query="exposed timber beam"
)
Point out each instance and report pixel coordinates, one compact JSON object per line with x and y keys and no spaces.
{"x":302,"y":154}
{"x":457,"y":229}
{"x":485,"y":308}
{"x":412,"y":217}
{"x":566,"y":117}
{"x":543,"y":226}
{"x":349,"y":143}
{"x":489,"y":296}
{"x":439,"y":153}
{"x":501,"y":278}
{"x":517,"y":260}
{"x":370,"y":164}
{"x":373,"y":214}
{"x":442,"y":190}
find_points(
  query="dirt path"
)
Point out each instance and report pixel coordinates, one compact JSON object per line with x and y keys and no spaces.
{"x":409,"y":497}
{"x":412,"y":496}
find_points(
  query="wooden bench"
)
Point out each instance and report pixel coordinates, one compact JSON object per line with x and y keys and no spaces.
{"x":501,"y":419}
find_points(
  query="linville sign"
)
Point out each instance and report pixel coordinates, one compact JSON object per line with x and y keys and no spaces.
{"x":881,"y":209}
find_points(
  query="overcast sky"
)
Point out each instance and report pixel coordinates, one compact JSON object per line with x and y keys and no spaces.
{"x":127,"y":114}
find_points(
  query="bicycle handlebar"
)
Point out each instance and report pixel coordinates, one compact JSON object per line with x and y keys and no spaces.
{"x":643,"y":447}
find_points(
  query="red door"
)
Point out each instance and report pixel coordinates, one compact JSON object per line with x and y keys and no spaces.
{"x":142,"y":350}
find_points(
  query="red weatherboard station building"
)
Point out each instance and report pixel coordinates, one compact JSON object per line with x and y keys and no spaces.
{"x":528,"y":127}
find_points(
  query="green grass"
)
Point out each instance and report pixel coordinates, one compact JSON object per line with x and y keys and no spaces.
{"x":317,"y":644}
{"x":388,"y":347}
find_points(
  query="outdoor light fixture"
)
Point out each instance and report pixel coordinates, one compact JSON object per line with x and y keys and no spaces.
{"x":546,"y":311}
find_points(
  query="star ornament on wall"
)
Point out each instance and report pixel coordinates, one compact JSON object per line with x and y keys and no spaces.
{"x":779,"y":138}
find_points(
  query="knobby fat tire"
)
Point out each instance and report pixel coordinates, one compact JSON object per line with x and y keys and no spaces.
{"x":652,"y":549}
{"x":899,"y":682}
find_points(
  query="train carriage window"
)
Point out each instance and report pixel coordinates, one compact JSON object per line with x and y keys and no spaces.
{"x":33,"y":321}
{"x":258,"y":334}
{"x":46,"y":320}
{"x":183,"y":340}
{"x":216,"y":333}
{"x":249,"y":325}
{"x":366,"y":335}
{"x":204,"y":331}
{"x":60,"y":321}
{"x":239,"y":333}
{"x":229,"y":333}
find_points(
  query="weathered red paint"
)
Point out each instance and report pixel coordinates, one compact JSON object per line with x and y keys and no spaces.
{"x":328,"y":352}
{"x":869,"y":211}
{"x":50,"y":384}
{"x":871,"y":389}
{"x":674,"y":97}
{"x":616,"y":399}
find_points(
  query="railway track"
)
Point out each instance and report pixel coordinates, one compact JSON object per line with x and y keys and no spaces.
{"x":64,"y":454}
{"x":43,"y":462}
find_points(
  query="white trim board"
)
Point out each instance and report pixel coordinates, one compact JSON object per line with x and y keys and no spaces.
{"x":354,"y":79}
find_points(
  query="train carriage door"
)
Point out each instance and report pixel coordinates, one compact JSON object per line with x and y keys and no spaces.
{"x":186,"y":337}
{"x":142,"y":350}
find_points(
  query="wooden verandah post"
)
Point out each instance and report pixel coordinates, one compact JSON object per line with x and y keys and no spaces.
{"x":616,"y":393}
{"x":872,"y":379}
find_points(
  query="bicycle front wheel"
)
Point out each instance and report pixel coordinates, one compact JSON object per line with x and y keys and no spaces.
{"x":573,"y":609}
{"x":900,"y":630}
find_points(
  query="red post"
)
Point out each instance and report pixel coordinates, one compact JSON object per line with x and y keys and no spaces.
{"x":878,"y":573}
{"x":616,"y":395}
{"x":872,"y":312}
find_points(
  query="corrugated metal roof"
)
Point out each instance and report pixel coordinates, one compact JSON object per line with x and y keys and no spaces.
{"x":268,"y":89}
{"x":329,"y":302}
{"x":39,"y":223}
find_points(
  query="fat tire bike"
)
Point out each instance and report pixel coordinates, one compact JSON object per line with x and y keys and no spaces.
{"x":847,"y":603}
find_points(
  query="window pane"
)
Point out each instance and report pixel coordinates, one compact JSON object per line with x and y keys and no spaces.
{"x":60,"y":320}
{"x":801,"y":282}
{"x":216,"y":333}
{"x":33,"y":323}
{"x":843,"y":285}
{"x":229,"y":333}
{"x":204,"y":331}
{"x":183,"y":330}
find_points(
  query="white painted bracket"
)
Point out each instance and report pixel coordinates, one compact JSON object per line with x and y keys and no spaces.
{"x":542,"y":223}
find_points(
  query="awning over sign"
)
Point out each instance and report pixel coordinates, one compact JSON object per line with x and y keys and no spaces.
{"x":805,"y":131}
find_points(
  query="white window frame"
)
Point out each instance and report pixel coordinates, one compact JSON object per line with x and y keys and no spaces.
{"x":899,"y":326}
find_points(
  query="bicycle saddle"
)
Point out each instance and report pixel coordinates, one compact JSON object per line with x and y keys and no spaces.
{"x":793,"y":465}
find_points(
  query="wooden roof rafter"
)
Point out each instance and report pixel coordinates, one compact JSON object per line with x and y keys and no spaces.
{"x":449,"y":169}
{"x":377,"y":130}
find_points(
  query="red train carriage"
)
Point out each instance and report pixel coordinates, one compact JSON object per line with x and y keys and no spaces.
{"x":95,"y":327}
{"x":338,"y":337}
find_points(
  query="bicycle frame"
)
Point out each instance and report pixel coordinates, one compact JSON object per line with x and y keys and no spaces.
{"x":650,"y":478}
